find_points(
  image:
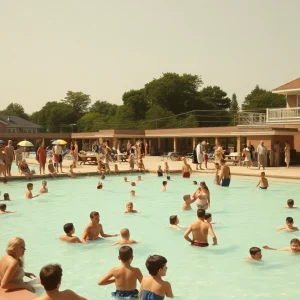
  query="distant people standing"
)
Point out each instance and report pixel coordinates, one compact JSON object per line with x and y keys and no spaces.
{"x":194,"y":158}
{"x":251,"y":150}
{"x":41,"y":156}
{"x":262,"y":154}
{"x":128,"y":147}
{"x":287,"y":154}
{"x":276,"y":149}
{"x":75,"y":153}
{"x":58,"y":157}
{"x":218,"y":153}
{"x":147,"y":148}
{"x":199,"y":153}
{"x":10,"y":156}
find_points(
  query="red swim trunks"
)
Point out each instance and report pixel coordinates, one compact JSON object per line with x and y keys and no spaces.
{"x":199,"y":244}
{"x":186,"y":175}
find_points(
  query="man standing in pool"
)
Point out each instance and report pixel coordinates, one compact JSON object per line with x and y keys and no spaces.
{"x":200,"y":230}
{"x":225,"y":175}
{"x":94,"y":229}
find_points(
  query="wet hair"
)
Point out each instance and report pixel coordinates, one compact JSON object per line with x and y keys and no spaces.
{"x":94,"y":214}
{"x":254,"y":250}
{"x":103,"y":177}
{"x":186,"y":197}
{"x":11,"y":247}
{"x":29,"y":185}
{"x":296,"y":241}
{"x":289,"y":220}
{"x":194,"y":182}
{"x":3,"y":207}
{"x":132,"y":191}
{"x":201,"y":213}
{"x":290,"y":202}
{"x":207,"y":216}
{"x":204,"y":185}
{"x":68,"y":227}
{"x":173,"y":219}
{"x":124,"y":232}
{"x":50,"y":276}
{"x":154,"y":263}
{"x":129,"y":203}
{"x":99,"y":186}
{"x":164,"y":183}
{"x":262,"y":174}
{"x":6,"y":196}
{"x":125,"y":253}
{"x":168,"y":177}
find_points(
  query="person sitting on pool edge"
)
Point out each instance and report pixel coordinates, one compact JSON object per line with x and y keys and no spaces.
{"x":263,"y":181}
{"x":50,"y":277}
{"x":125,"y":235}
{"x":69,"y":229}
{"x":200,"y":229}
{"x":51,"y":169}
{"x":164,"y":185}
{"x":153,"y":287}
{"x":289,"y":225}
{"x":3,"y":209}
{"x":294,"y":247}
{"x":71,"y":173}
{"x":94,"y":229}
{"x":255,"y":254}
{"x":129,"y":208}
{"x":290,"y":204}
{"x":28,"y":194}
{"x":187,"y":202}
{"x":125,"y":276}
{"x":44,"y":188}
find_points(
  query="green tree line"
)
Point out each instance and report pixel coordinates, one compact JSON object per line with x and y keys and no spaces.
{"x":171,"y":101}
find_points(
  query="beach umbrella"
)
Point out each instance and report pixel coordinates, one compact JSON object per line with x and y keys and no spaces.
{"x":59,"y":142}
{"x":25,"y":144}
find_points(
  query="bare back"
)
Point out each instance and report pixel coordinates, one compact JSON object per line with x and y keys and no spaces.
{"x":126,"y":277}
{"x":200,"y":231}
{"x":225,"y":171}
{"x":67,"y":294}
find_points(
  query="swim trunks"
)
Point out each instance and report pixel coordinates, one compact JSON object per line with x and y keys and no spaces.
{"x":186,"y":175}
{"x":159,"y":174}
{"x":225,"y":181}
{"x":147,"y":295}
{"x":263,"y":187}
{"x":199,"y":244}
{"x":133,"y":294}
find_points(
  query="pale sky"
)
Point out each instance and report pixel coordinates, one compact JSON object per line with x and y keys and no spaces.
{"x":106,"y":47}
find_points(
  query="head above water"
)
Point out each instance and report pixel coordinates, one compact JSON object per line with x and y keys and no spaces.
{"x":186,"y":198}
{"x":29,"y":186}
{"x":94,"y":215}
{"x":255,"y":253}
{"x":290,"y":203}
{"x":168,"y":177}
{"x":201,"y":213}
{"x":3,"y":207}
{"x":129,"y":205}
{"x":262,"y":174}
{"x":194,"y":182}
{"x":125,"y":234}
{"x":50,"y":277}
{"x":289,"y":220}
{"x":6,"y":196}
{"x":125,"y":253}
{"x":295,"y":245}
{"x":207,"y":216}
{"x":164,"y":183}
{"x":156,"y":265}
{"x":173,"y":220}
{"x":68,"y":227}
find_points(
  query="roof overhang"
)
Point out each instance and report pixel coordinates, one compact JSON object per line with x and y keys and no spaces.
{"x":287,"y":92}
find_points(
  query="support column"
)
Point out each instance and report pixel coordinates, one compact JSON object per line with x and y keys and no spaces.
{"x":175,"y":144}
{"x":216,"y":140}
{"x":158,"y":145}
{"x":238,"y":149}
{"x":194,"y":143}
{"x":115,"y":142}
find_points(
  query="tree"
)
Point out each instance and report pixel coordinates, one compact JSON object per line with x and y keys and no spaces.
{"x":173,"y":92}
{"x":104,"y":108}
{"x":158,"y":117}
{"x":79,"y":101}
{"x":260,"y":99}
{"x":136,"y":99}
{"x":15,"y":109}
{"x":89,"y":121}
{"x":234,"y":109}
{"x":216,"y":96}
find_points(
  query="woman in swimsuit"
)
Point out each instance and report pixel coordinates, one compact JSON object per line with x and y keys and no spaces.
{"x":159,"y":171}
{"x":11,"y":267}
{"x":202,"y":195}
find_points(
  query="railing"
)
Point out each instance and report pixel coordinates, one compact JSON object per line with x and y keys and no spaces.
{"x":290,"y":115}
{"x":251,"y":118}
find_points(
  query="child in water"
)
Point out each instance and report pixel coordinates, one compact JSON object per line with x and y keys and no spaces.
{"x":132,"y":193}
{"x":69,"y":229}
{"x":263,"y":182}
{"x":3,"y":209}
{"x":290,"y":204}
{"x":289,"y":225}
{"x":255,"y":254}
{"x":44,"y":188}
{"x":164,"y":186}
{"x":125,"y":235}
{"x":129,"y":208}
{"x":100,"y":185}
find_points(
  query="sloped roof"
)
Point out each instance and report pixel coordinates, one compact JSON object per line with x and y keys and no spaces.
{"x":14,"y":121}
{"x":292,"y":85}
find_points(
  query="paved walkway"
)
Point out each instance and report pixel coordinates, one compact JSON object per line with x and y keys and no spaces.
{"x":151,"y":163}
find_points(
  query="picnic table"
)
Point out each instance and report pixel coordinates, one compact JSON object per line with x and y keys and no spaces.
{"x":88,"y":159}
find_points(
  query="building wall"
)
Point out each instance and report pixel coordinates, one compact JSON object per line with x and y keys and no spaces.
{"x":2,"y":127}
{"x":291,"y":101}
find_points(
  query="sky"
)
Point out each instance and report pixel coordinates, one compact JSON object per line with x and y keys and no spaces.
{"x":106,"y":47}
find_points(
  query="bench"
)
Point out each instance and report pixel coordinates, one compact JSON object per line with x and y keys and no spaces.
{"x":234,"y":158}
{"x":84,"y":159}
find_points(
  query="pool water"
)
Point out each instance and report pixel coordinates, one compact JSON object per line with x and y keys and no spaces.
{"x":245,"y":217}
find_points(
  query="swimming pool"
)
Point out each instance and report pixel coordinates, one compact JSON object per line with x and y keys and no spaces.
{"x":246,"y":217}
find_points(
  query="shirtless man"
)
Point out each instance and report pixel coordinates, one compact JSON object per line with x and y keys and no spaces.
{"x":289,"y":225}
{"x":186,"y":169}
{"x":225,"y":176}
{"x":69,"y":229}
{"x":294,"y":247}
{"x":200,"y":229}
{"x":93,"y":229}
{"x":3,"y":209}
{"x":187,"y":202}
{"x":10,"y":156}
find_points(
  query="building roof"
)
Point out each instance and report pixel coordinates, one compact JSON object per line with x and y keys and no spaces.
{"x":14,"y":121}
{"x":287,"y":88}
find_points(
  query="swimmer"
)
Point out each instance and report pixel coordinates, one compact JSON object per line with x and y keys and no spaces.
{"x":132,"y":193}
{"x":71,"y":173}
{"x":186,"y":169}
{"x":187,"y":202}
{"x":263,"y":182}
{"x":169,"y":178}
{"x":69,"y":229}
{"x":116,"y":169}
{"x":153,"y":287}
{"x":125,"y":277}
{"x":94,"y":229}
{"x":100,"y":185}
{"x":50,"y":277}
{"x":51,"y":169}
{"x":3,"y":209}
{"x":129,"y":208}
{"x":6,"y":197}
{"x":133,"y":183}
{"x":225,"y":175}
{"x":289,"y":225}
{"x":164,"y":186}
{"x":44,"y":188}
{"x":139,"y":178}
{"x":208,"y":218}
{"x":28,"y":194}
{"x":125,"y":179}
{"x":159,"y":171}
{"x":195,"y":182}
{"x":102,"y":176}
{"x":294,"y":247}
{"x":166,"y":169}
{"x":200,"y":229}
{"x":255,"y":254}
{"x":290,"y":204}
{"x":174,"y":223}
{"x":125,"y":235}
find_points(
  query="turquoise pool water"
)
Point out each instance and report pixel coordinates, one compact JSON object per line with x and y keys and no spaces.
{"x":246,"y":217}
